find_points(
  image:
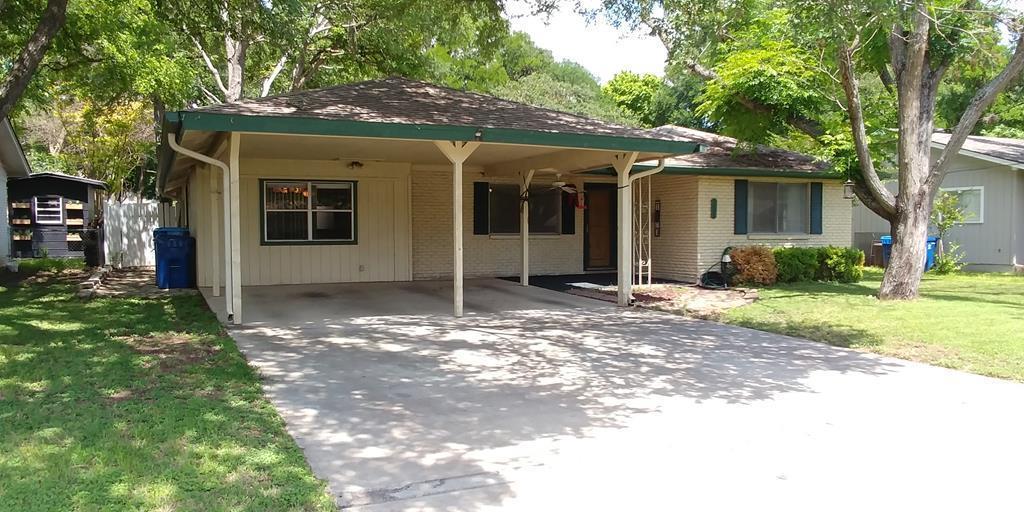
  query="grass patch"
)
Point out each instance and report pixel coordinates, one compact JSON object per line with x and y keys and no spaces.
{"x":971,"y":322}
{"x":33,"y":266}
{"x":136,"y":404}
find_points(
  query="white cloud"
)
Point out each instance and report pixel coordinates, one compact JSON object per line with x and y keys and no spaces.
{"x":598,"y":46}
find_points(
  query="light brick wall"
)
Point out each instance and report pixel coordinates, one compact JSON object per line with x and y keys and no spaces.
{"x":674,"y":253}
{"x":717,"y":234}
{"x":484,"y":255}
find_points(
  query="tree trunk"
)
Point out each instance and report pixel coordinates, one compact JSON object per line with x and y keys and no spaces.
{"x":24,"y":67}
{"x":236,"y":52}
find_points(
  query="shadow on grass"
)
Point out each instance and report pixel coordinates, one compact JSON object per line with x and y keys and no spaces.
{"x":89,"y":421}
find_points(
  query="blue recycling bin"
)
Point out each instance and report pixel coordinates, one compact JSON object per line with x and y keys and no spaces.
{"x":929,"y":258}
{"x":175,"y":258}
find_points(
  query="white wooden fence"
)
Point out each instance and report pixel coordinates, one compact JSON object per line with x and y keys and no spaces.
{"x":128,"y":231}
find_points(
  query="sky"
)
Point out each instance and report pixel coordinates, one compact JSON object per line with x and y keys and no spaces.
{"x":599,"y":47}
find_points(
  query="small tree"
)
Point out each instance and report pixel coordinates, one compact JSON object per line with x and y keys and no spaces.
{"x":946,"y":214}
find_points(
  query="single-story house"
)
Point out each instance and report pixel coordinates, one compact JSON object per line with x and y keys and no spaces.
{"x":988,"y":177}
{"x":397,"y":180}
{"x":12,"y":165}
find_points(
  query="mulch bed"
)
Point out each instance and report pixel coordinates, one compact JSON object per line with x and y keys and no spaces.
{"x":689,"y":300}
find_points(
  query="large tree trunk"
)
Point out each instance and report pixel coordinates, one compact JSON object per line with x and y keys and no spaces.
{"x":24,"y":67}
{"x":236,"y":53}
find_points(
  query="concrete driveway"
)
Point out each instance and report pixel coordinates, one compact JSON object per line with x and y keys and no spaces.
{"x":543,"y":401}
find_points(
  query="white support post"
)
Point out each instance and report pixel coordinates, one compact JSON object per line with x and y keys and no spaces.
{"x":225,"y":196}
{"x":457,"y":153}
{"x":623,"y":164}
{"x":235,"y":249}
{"x":524,"y":227}
{"x":214,"y":243}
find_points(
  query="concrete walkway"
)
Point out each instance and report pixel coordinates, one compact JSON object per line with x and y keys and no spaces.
{"x":542,"y":401}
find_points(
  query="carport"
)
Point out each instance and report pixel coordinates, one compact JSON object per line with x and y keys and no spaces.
{"x":382,"y":124}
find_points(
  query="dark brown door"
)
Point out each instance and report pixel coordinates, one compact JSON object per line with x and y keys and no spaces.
{"x":599,"y":222}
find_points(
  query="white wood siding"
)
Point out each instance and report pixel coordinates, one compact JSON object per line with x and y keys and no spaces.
{"x":5,"y":228}
{"x":383,"y":248}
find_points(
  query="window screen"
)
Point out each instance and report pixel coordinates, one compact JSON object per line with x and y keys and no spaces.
{"x":779,"y":207}
{"x":304,"y":211}
{"x":545,"y":209}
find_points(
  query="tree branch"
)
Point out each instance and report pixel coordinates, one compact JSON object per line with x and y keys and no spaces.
{"x":877,"y":197}
{"x":209,"y":64}
{"x":982,"y":100}
{"x":24,"y":67}
{"x":269,"y":81}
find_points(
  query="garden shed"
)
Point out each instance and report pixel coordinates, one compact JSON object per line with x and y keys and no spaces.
{"x":51,"y":214}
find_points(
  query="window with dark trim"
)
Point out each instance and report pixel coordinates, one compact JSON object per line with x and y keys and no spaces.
{"x":545,"y":210}
{"x":779,"y":207}
{"x":296,"y":212}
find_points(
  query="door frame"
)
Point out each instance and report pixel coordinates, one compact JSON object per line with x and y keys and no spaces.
{"x":613,"y":236}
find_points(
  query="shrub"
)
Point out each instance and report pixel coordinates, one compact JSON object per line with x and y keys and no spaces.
{"x":842,"y":264}
{"x":950,"y":260}
{"x":796,"y":264}
{"x":754,"y":264}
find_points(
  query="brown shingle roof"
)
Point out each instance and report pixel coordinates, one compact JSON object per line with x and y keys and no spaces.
{"x":720,"y":152}
{"x":399,"y":100}
{"x":1006,"y":149}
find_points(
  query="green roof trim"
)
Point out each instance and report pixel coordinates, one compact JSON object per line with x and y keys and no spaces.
{"x":343,"y":127}
{"x":732,"y":172}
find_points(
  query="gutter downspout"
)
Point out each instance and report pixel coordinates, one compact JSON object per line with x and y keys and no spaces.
{"x":227,"y":224}
{"x":648,"y":172}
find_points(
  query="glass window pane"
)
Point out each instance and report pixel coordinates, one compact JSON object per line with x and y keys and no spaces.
{"x":970,"y":203}
{"x":287,"y":225}
{"x":504,"y":206}
{"x":763,"y":210}
{"x":285,"y":196}
{"x":334,"y":196}
{"x":794,"y":209}
{"x":332,"y":225}
{"x":545,"y":210}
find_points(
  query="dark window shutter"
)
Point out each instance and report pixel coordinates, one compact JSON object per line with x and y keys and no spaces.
{"x":481,"y":208}
{"x":816,"y":208}
{"x":568,"y":213}
{"x":740,"y":197}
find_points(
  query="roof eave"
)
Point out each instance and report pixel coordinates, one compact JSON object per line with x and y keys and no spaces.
{"x":739,"y":172}
{"x":982,"y":156}
{"x":10,"y":144}
{"x":343,"y":127}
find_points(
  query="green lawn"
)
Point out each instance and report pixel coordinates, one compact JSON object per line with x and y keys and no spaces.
{"x":128,"y":404}
{"x":971,"y":322}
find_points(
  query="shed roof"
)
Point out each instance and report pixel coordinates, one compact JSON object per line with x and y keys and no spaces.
{"x":1011,"y":150}
{"x":720,"y":153}
{"x":68,"y":177}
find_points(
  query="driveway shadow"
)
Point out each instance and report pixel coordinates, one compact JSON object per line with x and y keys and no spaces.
{"x":392,"y":408}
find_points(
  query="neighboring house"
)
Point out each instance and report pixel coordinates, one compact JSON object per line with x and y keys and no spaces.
{"x":12,"y":165}
{"x":355,"y":183}
{"x":49,"y":213}
{"x":988,"y":177}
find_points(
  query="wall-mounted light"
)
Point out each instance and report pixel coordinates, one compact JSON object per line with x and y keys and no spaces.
{"x":848,"y":192}
{"x":714,"y":208}
{"x":355,"y":164}
{"x":479,"y":135}
{"x":657,"y":218}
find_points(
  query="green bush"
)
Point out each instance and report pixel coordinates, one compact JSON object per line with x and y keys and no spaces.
{"x":842,"y":264}
{"x":755,"y":264}
{"x":949,"y":261}
{"x":796,"y":264}
{"x":33,"y":266}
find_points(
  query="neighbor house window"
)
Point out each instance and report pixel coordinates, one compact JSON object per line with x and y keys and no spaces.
{"x":779,"y":207}
{"x":49,"y":210}
{"x":545,"y":209}
{"x":972,"y":201}
{"x":309,"y":211}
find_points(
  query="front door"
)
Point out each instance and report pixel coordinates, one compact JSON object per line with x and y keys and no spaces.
{"x":599,"y":226}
